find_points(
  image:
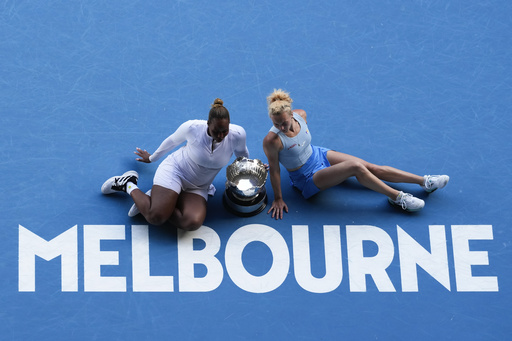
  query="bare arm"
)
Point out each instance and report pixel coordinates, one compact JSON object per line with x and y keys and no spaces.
{"x":272,"y":145}
{"x":302,"y":113}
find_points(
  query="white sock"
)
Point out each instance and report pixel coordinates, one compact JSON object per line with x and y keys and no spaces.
{"x":399,"y":196}
{"x":130,"y":186}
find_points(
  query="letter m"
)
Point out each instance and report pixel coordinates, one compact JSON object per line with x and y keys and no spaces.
{"x":31,"y":245}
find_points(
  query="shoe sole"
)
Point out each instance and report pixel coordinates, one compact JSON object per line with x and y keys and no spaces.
{"x":407,"y":209}
{"x":106,"y":188}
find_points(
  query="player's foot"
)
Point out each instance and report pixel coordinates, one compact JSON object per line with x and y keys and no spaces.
{"x":134,"y":210}
{"x":407,"y":202}
{"x":118,"y":183}
{"x":433,"y":182}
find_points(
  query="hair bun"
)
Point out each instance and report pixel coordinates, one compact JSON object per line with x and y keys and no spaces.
{"x":217,"y":103}
{"x":279,"y":95}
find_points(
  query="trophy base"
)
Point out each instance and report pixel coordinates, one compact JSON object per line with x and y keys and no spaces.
{"x":245,"y":208}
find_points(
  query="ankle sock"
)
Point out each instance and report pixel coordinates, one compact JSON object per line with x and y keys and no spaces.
{"x":130,"y":186}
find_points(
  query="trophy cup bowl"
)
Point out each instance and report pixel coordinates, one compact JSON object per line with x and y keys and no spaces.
{"x":245,"y":193}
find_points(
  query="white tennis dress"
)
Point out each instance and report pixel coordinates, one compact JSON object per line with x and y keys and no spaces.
{"x":193,"y":167}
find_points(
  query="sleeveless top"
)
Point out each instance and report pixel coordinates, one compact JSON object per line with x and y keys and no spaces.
{"x":296,"y":150}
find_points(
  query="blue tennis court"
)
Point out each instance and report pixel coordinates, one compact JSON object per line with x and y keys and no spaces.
{"x":423,"y":86}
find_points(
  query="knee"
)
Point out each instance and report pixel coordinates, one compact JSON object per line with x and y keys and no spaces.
{"x":157,"y":219}
{"x":377,"y":170}
{"x":357,"y":168}
{"x":191,"y":223}
{"x":190,"y":228}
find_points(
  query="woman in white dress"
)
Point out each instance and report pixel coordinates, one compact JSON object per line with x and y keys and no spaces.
{"x":184,"y":179}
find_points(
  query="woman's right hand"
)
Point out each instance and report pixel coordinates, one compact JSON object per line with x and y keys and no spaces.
{"x":278,"y":208}
{"x":143,"y":155}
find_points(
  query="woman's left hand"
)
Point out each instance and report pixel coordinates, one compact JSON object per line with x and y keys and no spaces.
{"x":144,"y":155}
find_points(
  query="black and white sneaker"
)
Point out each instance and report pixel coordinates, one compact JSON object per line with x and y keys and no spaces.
{"x":118,"y":183}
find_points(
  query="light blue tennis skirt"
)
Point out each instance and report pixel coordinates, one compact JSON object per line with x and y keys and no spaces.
{"x":302,"y":178}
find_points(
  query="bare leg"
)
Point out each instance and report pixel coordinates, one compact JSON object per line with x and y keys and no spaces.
{"x":385,"y":173}
{"x":185,"y":210}
{"x":158,"y":207}
{"x":190,"y":212}
{"x":337,"y":173}
{"x":369,"y":175}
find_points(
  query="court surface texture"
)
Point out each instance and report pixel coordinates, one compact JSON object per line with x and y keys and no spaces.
{"x":423,"y":86}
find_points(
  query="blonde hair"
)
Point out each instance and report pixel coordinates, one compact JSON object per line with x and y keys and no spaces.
{"x":218,"y":111}
{"x":279,"y":102}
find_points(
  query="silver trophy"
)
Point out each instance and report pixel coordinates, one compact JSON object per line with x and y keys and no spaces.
{"x":245,"y":193}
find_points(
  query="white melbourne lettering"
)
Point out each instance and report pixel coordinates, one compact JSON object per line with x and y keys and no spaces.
{"x":411,"y":256}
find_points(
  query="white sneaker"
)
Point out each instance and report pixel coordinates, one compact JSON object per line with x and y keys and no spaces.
{"x":118,"y":183}
{"x":134,"y":210}
{"x":433,"y":182}
{"x":407,"y":202}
